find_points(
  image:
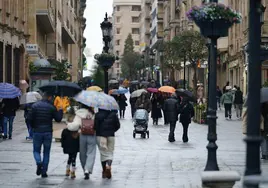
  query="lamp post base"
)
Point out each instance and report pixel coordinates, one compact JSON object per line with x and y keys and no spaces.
{"x":219,"y":179}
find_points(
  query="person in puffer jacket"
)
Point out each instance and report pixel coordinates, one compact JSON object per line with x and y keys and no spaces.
{"x":227,"y":101}
{"x":106,"y":124}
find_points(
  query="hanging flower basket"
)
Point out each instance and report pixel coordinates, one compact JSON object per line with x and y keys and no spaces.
{"x":214,"y":19}
{"x":105,"y":59}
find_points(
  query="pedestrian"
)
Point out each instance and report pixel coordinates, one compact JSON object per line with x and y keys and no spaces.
{"x":264,"y":131}
{"x":171,"y":108}
{"x":163,"y":98}
{"x":10,"y":106}
{"x":84,"y":118}
{"x":143,"y":102}
{"x":218,"y":97}
{"x":227,"y":101}
{"x":27,"y":109}
{"x":156,"y":108}
{"x":70,"y":145}
{"x":40,"y":117}
{"x":106,"y":124}
{"x":62,"y":102}
{"x":238,"y":102}
{"x":224,"y":88}
{"x":122,"y":105}
{"x":132,"y":101}
{"x":186,"y":114}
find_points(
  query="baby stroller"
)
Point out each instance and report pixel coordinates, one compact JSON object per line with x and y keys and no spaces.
{"x":141,"y":118}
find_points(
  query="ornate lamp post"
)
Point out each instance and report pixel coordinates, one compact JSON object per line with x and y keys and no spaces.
{"x":152,"y":56}
{"x":106,"y":64}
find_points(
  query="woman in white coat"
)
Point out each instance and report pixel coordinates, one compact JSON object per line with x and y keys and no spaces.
{"x":87,"y":142}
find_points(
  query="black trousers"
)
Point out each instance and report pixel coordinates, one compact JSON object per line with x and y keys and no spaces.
{"x":72,"y":159}
{"x":122,"y":113}
{"x":165,"y":117}
{"x":172,"y":129}
{"x":185,"y":128}
{"x":133,"y":110}
{"x":228,"y":110}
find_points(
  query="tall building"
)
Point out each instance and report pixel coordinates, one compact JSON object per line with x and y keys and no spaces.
{"x":55,"y":29}
{"x":145,"y":27}
{"x":13,"y":37}
{"x":126,"y":20}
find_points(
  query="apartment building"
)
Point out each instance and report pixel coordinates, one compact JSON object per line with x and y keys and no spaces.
{"x":126,"y":20}
{"x":145,"y":21}
{"x":13,"y":37}
{"x":55,"y":29}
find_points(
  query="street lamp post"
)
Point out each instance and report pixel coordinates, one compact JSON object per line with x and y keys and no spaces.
{"x":208,"y":46}
{"x":152,"y":56}
{"x":184,"y":72}
{"x":143,"y":66}
{"x":106,"y":28}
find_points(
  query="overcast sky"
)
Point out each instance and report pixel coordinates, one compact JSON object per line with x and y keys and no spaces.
{"x":95,"y":13}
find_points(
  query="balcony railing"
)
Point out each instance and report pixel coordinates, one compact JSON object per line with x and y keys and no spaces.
{"x":67,"y":36}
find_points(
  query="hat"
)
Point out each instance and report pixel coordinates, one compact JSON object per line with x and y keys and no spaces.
{"x":228,"y":87}
{"x":73,"y":126}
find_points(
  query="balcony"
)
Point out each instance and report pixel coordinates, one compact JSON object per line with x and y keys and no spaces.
{"x":147,"y":15}
{"x":160,"y":34}
{"x":147,"y":1}
{"x":46,"y":20}
{"x":147,"y":31}
{"x":67,"y":36}
{"x":160,"y":16}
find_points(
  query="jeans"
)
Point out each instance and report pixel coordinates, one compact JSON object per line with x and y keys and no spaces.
{"x":40,"y":139}
{"x":228,"y":110}
{"x":30,"y":131}
{"x":9,"y":119}
{"x":238,"y":109}
{"x":1,"y":124}
{"x":172,"y":130}
{"x":219,"y":102}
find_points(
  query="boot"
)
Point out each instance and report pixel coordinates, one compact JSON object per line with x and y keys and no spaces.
{"x":73,"y":173}
{"x":103,"y":164}
{"x":68,"y":171}
{"x":108,"y":173}
{"x":86,"y":175}
{"x":185,"y":138}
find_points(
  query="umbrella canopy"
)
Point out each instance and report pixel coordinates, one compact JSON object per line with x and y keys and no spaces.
{"x":186,"y":93}
{"x":94,"y":88}
{"x":9,"y":91}
{"x":113,"y":82}
{"x":152,"y":90}
{"x":97,"y":100}
{"x":121,"y":90}
{"x":61,"y":88}
{"x":30,"y":97}
{"x":134,"y":82}
{"x":137,"y":93}
{"x":145,"y":83}
{"x":167,"y":89}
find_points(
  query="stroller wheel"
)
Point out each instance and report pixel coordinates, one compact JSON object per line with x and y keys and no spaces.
{"x":147,"y":134}
{"x":143,"y":135}
{"x":134,"y":134}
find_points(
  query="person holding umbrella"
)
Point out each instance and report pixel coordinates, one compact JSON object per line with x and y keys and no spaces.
{"x":122,"y":105}
{"x":40,"y":118}
{"x":156,"y":108}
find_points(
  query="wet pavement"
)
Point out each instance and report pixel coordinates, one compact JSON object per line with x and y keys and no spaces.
{"x":150,"y":163}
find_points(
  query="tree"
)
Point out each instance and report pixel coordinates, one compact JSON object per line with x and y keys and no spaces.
{"x":191,"y":46}
{"x":130,"y":59}
{"x":98,"y":75}
{"x":61,"y":69}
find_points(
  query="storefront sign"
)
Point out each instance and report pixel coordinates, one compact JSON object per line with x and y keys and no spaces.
{"x":32,"y":49}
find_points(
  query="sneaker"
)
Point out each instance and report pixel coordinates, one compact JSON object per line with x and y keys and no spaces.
{"x":73,"y":175}
{"x":4,"y":137}
{"x":108,"y":173}
{"x":39,"y":169}
{"x":44,"y":175}
{"x":86,"y":176}
{"x":68,"y":171}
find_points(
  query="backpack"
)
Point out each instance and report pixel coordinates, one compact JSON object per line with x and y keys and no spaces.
{"x":87,"y":127}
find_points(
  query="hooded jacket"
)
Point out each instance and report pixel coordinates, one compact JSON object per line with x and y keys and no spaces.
{"x":227,"y":98}
{"x":77,"y":122}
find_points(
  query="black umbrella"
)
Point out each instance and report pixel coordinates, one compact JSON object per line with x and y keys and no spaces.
{"x":134,"y":82}
{"x":61,"y":88}
{"x":186,"y":93}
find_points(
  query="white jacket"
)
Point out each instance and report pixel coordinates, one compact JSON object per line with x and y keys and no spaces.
{"x":77,"y":122}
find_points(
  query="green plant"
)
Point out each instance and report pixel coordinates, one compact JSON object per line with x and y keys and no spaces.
{"x":32,"y":67}
{"x":104,"y":57}
{"x":213,"y":12}
{"x":265,"y":84}
{"x":61,"y":69}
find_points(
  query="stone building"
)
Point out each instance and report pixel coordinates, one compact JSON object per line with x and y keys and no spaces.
{"x":13,"y":37}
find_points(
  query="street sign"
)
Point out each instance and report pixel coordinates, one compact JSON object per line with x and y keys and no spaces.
{"x":32,"y":49}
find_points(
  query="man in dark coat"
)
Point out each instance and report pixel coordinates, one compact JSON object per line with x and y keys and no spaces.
{"x":171,"y":108}
{"x":238,"y":102}
{"x":187,"y":112}
{"x":40,"y":118}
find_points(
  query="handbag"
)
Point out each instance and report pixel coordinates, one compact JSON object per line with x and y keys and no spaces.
{"x":87,"y":127}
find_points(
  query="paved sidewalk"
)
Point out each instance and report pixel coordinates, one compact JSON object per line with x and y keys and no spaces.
{"x":150,"y":163}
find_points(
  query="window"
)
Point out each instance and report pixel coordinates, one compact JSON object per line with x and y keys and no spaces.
{"x":117,"y":42}
{"x":117,"y":30}
{"x":118,"y":71}
{"x":135,"y":31}
{"x":135,"y":19}
{"x":117,"y":53}
{"x":118,"y":19}
{"x":118,"y":8}
{"x":136,"y":8}
{"x":137,"y":43}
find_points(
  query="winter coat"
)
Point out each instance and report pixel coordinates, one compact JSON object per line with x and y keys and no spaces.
{"x":42,"y":115}
{"x":10,"y":106}
{"x":156,"y":108}
{"x":238,"y":97}
{"x":171,"y":109}
{"x":219,"y":93}
{"x":106,"y":123}
{"x":27,"y":109}
{"x":187,"y":112}
{"x":227,"y":98}
{"x":77,"y":121}
{"x":122,"y":102}
{"x":69,"y":144}
{"x":62,"y":102}
{"x":143,"y":104}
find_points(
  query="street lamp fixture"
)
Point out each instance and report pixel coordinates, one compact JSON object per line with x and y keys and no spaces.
{"x":143,"y":66}
{"x":106,"y":28}
{"x":152,"y":55}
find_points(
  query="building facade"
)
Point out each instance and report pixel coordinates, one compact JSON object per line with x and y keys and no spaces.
{"x":126,"y":20}
{"x":13,"y":37}
{"x":145,"y":25}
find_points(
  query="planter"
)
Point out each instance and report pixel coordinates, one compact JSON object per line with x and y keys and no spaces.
{"x":216,"y":28}
{"x":199,"y":116}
